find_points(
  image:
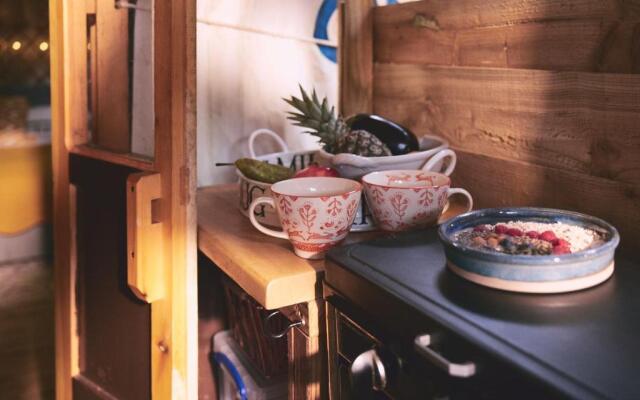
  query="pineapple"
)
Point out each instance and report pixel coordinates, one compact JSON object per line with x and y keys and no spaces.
{"x":335,"y":135}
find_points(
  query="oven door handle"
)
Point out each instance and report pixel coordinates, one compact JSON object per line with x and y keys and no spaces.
{"x":368,"y":374}
{"x":422,"y":343}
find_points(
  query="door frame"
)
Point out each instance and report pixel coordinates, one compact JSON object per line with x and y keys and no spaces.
{"x":174,"y":317}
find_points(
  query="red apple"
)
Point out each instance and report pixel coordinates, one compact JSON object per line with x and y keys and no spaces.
{"x":316,"y":170}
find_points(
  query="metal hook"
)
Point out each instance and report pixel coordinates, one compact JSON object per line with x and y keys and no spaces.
{"x":125,"y":4}
{"x":279,"y":335}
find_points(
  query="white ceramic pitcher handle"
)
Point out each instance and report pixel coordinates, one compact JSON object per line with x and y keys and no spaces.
{"x":441,"y":155}
{"x":258,"y":225}
{"x":460,"y":191}
{"x":268,"y":132}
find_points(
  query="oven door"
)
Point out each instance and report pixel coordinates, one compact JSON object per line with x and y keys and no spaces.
{"x":363,"y":364}
{"x":375,"y":358}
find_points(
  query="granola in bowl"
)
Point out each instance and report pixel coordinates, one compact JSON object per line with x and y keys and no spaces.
{"x":529,"y":238}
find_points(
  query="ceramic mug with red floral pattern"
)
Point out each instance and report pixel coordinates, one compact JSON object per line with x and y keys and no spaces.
{"x":315,"y":213}
{"x":406,"y":199}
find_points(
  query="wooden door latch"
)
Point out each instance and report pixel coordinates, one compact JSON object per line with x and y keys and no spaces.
{"x":145,"y":247}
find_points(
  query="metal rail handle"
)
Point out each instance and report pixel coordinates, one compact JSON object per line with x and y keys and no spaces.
{"x":422,"y":343}
{"x":278,"y":335}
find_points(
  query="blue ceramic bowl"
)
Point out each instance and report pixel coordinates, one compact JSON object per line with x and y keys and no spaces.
{"x":529,"y":268}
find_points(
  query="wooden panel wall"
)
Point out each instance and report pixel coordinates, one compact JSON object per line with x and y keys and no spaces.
{"x":356,"y":62}
{"x":540,"y":98}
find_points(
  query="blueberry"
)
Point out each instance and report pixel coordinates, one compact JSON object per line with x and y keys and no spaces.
{"x":509,"y":246}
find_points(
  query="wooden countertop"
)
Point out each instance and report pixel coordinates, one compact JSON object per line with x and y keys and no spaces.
{"x":265,"y":267}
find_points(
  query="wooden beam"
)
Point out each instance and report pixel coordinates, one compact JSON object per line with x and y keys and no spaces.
{"x":583,"y":122}
{"x":356,"y":57}
{"x":174,"y":325}
{"x":68,"y":126}
{"x":136,"y":161}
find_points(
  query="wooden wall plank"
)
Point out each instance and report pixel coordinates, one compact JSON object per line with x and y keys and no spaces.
{"x":495,"y":182}
{"x":466,"y":14}
{"x":540,"y":98}
{"x":510,"y":34}
{"x":583,"y":122}
{"x":356,"y":56}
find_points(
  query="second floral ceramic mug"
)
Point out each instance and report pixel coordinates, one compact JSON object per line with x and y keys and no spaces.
{"x":406,"y":199}
{"x":315,"y":213}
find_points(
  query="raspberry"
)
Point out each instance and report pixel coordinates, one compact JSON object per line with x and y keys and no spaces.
{"x":514,"y":232}
{"x":560,"y":242}
{"x":549,"y":236}
{"x":533,"y":234}
{"x":561,"y":250}
{"x":500,"y":229}
{"x":480,"y":228}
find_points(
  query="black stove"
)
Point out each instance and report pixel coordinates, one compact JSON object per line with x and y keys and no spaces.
{"x":427,"y":333}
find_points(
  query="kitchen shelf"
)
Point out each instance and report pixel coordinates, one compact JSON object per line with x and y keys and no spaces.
{"x":265,"y":267}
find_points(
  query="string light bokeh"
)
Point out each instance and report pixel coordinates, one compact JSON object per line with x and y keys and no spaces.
{"x":24,"y":45}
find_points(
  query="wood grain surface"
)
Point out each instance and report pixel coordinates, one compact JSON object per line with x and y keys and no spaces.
{"x":174,"y":325}
{"x":124,"y":159}
{"x":307,"y":365}
{"x":356,"y":56}
{"x":264,"y":266}
{"x":575,"y":35}
{"x":67,"y":77}
{"x":464,"y":14}
{"x":584,"y":122}
{"x":112,"y":78}
{"x":495,"y":182}
{"x":540,"y":98}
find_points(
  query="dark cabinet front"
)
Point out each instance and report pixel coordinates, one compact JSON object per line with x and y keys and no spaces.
{"x":372,"y":358}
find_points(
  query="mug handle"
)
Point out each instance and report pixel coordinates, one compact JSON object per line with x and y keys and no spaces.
{"x":460,"y":191}
{"x":268,"y":132}
{"x":442,"y":154}
{"x":258,"y":225}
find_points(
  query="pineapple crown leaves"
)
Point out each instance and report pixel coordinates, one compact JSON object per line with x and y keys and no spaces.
{"x":333,"y":132}
{"x":315,"y":115}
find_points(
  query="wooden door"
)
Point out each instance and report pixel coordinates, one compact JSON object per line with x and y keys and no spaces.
{"x":125,"y":223}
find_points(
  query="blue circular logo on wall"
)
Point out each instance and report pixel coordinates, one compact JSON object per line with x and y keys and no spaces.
{"x":321,"y":30}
